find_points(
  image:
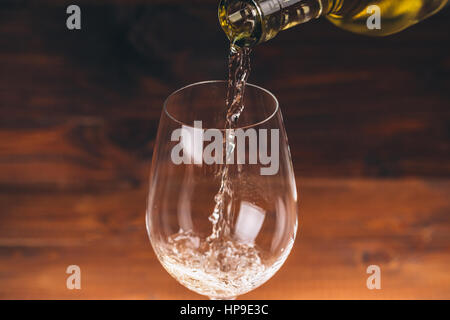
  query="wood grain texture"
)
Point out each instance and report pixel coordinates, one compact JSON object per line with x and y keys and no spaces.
{"x":347,"y":225}
{"x":368,"y":122}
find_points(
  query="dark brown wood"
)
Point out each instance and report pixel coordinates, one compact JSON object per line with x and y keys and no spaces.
{"x":368,"y":123}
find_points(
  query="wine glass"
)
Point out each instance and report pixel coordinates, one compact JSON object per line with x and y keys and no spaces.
{"x":222,"y":204}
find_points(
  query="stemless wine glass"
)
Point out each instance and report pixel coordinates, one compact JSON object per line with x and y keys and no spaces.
{"x":222,"y":205}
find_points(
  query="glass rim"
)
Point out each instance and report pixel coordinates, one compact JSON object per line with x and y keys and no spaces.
{"x":277,"y":105}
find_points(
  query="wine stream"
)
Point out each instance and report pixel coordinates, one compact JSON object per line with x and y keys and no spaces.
{"x":238,"y":72}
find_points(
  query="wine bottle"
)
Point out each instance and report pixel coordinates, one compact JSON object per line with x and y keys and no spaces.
{"x":249,"y":22}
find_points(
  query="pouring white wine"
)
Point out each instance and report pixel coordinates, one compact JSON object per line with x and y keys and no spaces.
{"x":250,"y":22}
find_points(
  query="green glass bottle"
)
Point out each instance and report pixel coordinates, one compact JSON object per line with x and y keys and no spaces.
{"x":249,"y":22}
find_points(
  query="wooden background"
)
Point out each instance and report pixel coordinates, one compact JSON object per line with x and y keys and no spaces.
{"x":368,"y":121}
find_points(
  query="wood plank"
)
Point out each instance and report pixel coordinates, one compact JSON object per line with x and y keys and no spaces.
{"x":348,"y":224}
{"x":354,"y":106}
{"x":78,"y":118}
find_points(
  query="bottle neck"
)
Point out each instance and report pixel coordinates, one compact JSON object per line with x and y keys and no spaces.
{"x":249,"y":22}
